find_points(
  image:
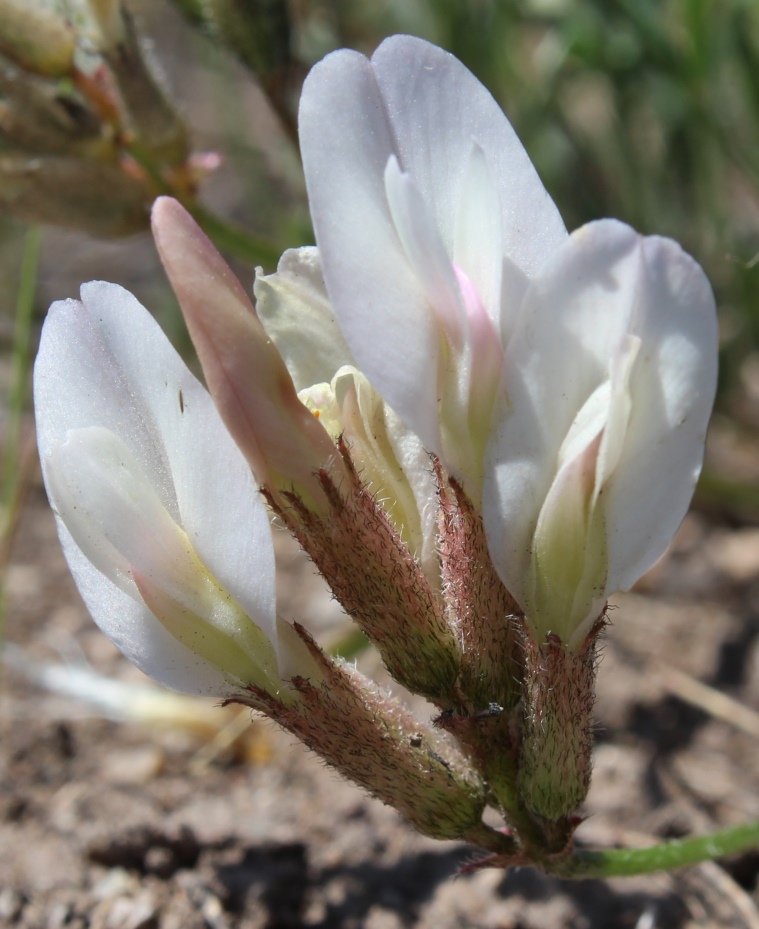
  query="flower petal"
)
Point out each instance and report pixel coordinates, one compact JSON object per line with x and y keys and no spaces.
{"x":347,"y":140}
{"x":438,"y":111}
{"x":294,"y":308}
{"x":105,"y":362}
{"x":414,"y":459}
{"x":672,"y":385}
{"x":608,"y":297}
{"x":425,"y":251}
{"x":416,"y":104}
{"x":478,"y":237}
{"x":134,"y":630}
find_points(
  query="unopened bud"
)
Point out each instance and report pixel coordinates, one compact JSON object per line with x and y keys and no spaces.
{"x":375,"y":741}
{"x":284,"y":443}
{"x":37,"y":38}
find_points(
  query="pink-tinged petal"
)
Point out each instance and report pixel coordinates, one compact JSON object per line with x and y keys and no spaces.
{"x":478,"y":238}
{"x":425,"y":252}
{"x":485,"y":361}
{"x":415,"y":104}
{"x":245,"y":374}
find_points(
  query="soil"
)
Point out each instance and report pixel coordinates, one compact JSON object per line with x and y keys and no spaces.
{"x":224,"y":822}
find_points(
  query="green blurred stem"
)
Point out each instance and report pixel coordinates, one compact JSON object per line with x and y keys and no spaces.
{"x":677,"y":853}
{"x":20,"y":370}
{"x":233,"y":239}
{"x":226,"y":236}
{"x":13,"y":483}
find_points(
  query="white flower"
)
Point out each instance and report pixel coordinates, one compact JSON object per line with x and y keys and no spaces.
{"x":429,"y":218}
{"x":294,"y":309}
{"x":157,"y":511}
{"x":567,"y":380}
{"x":611,"y":377}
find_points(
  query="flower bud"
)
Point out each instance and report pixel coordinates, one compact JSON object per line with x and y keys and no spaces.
{"x":283,"y":442}
{"x":36,"y":37}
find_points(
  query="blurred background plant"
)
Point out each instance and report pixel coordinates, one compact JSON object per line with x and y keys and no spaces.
{"x":646,"y":110}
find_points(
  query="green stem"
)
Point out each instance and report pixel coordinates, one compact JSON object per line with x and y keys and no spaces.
{"x":227,"y":236}
{"x":676,"y":853}
{"x":21,"y":362}
{"x":13,"y":471}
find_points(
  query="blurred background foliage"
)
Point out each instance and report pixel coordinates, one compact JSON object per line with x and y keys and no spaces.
{"x":646,"y":110}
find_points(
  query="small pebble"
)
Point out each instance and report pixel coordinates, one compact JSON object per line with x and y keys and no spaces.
{"x":11,"y":904}
{"x":134,"y":765}
{"x":117,"y":882}
{"x":132,"y":913}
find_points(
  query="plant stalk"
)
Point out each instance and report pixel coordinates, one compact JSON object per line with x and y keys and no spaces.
{"x":666,"y":856}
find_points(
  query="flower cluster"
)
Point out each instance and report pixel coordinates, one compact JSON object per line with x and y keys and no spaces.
{"x":477,"y":425}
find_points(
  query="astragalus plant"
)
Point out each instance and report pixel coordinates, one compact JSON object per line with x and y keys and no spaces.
{"x":478,"y":426}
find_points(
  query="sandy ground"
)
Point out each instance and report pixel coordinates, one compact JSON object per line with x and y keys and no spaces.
{"x":130,"y":826}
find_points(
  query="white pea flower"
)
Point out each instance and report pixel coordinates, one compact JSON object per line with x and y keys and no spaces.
{"x":429,"y":219}
{"x":294,"y":309}
{"x":611,"y":377}
{"x":567,"y":380}
{"x":158,"y":513}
